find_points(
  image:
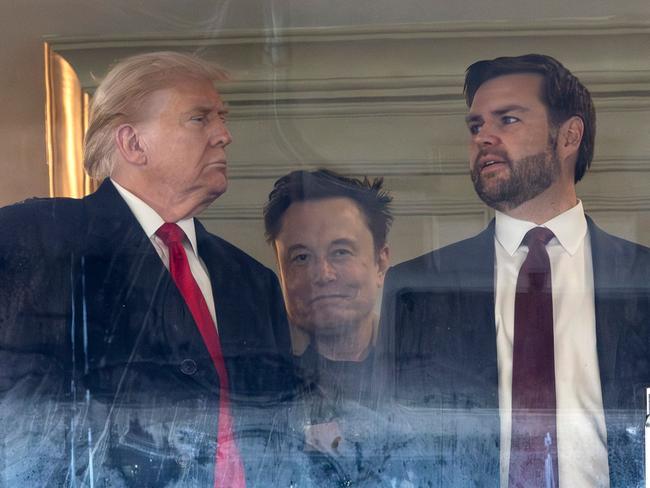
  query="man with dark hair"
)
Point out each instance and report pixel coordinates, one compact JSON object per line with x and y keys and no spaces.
{"x":531,"y":339}
{"x":136,"y":348}
{"x":329,"y":235}
{"x":561,"y":92}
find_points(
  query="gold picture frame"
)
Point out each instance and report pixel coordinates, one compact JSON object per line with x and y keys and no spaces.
{"x":66,"y":118}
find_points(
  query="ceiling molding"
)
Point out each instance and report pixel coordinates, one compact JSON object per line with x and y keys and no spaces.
{"x":354,"y":108}
{"x":436,"y":30}
{"x":600,"y":81}
{"x":404,"y":167}
{"x":335,"y":67}
{"x":618,"y":203}
{"x":400,"y":208}
{"x":620,"y":163}
{"x":232,"y":212}
{"x":440,"y":207}
{"x":373,"y":106}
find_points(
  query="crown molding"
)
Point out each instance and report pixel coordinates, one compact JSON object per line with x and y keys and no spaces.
{"x":270,"y":169}
{"x":441,"y":207}
{"x":434,"y":30}
{"x":600,"y":82}
{"x":276,"y":74}
{"x":400,"y":208}
{"x":374,"y":106}
{"x":232,"y":212}
{"x":620,"y":163}
{"x":622,"y":203}
{"x":354,"y":167}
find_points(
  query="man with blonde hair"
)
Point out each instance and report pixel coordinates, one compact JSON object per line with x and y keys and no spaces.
{"x":136,"y":348}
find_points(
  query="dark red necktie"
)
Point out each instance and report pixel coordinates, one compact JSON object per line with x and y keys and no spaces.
{"x":229,"y":471}
{"x":533,"y":448}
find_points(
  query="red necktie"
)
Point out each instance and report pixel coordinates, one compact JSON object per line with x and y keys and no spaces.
{"x":229,"y":471}
{"x":533,"y":452}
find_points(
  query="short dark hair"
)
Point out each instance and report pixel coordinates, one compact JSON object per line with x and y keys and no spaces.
{"x":299,"y":186}
{"x":562,"y":93}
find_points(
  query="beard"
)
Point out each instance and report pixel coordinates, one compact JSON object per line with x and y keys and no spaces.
{"x":529,"y":176}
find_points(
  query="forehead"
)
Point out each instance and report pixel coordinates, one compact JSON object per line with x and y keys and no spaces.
{"x":322,"y":220}
{"x":519,"y":89}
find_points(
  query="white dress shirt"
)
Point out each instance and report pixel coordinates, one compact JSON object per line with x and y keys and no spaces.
{"x":581,"y":433}
{"x":151,"y":222}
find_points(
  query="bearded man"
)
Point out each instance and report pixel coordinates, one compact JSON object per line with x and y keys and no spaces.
{"x":524,"y":348}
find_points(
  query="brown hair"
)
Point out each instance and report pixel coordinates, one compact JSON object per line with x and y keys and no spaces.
{"x":299,"y":186}
{"x":562,"y":93}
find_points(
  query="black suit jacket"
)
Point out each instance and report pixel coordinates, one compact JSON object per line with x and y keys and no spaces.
{"x":439,"y":311}
{"x":103,"y":372}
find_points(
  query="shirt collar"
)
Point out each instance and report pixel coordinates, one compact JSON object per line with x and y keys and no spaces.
{"x":570,"y":229}
{"x":149,"y":218}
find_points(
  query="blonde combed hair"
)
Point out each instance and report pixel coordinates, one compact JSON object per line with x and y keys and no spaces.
{"x":119,"y":97}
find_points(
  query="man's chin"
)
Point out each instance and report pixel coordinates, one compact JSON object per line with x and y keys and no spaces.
{"x":216,"y":189}
{"x":328,"y":325}
{"x":495,"y":194}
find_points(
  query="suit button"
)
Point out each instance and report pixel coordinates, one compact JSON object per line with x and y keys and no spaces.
{"x":188,"y":366}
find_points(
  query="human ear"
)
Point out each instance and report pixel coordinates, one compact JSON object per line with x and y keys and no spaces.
{"x":128,"y":143}
{"x":383,"y":261}
{"x":572,"y":131}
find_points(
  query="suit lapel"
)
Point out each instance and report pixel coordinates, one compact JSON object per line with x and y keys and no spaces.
{"x":623,"y":346}
{"x":132,"y":287}
{"x":607,"y":271}
{"x":234,"y":320}
{"x":118,"y":250}
{"x":477,"y":307}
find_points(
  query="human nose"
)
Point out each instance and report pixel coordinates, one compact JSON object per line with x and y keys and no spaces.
{"x":324,"y":272}
{"x":487,"y":135}
{"x":220,"y":135}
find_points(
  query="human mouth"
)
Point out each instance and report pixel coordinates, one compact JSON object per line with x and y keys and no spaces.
{"x":490,"y":161}
{"x":327,"y":298}
{"x":219,"y":165}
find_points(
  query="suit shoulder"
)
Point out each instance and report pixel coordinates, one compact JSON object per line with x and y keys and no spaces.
{"x":235,"y":256}
{"x":611,"y":246}
{"x":634,"y":249}
{"x":41,"y":208}
{"x":447,"y":260}
{"x":39,"y":218}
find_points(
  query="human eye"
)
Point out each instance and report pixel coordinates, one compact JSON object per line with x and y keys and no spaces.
{"x":199,"y":118}
{"x":299,"y":258}
{"x":341,"y":252}
{"x":509,"y":119}
{"x":474,"y":128}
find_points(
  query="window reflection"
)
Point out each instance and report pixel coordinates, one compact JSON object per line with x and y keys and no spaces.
{"x":111,"y":385}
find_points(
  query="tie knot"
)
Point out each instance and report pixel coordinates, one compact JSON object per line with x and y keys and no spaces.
{"x":538,"y":236}
{"x":170,"y":233}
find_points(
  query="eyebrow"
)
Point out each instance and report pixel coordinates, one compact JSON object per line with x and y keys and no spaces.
{"x":343,"y":241}
{"x":504,"y":110}
{"x":295,"y":247}
{"x":206,"y":109}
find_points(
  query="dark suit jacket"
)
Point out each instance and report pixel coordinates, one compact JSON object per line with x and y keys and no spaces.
{"x":439,"y":309}
{"x":103,"y":372}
